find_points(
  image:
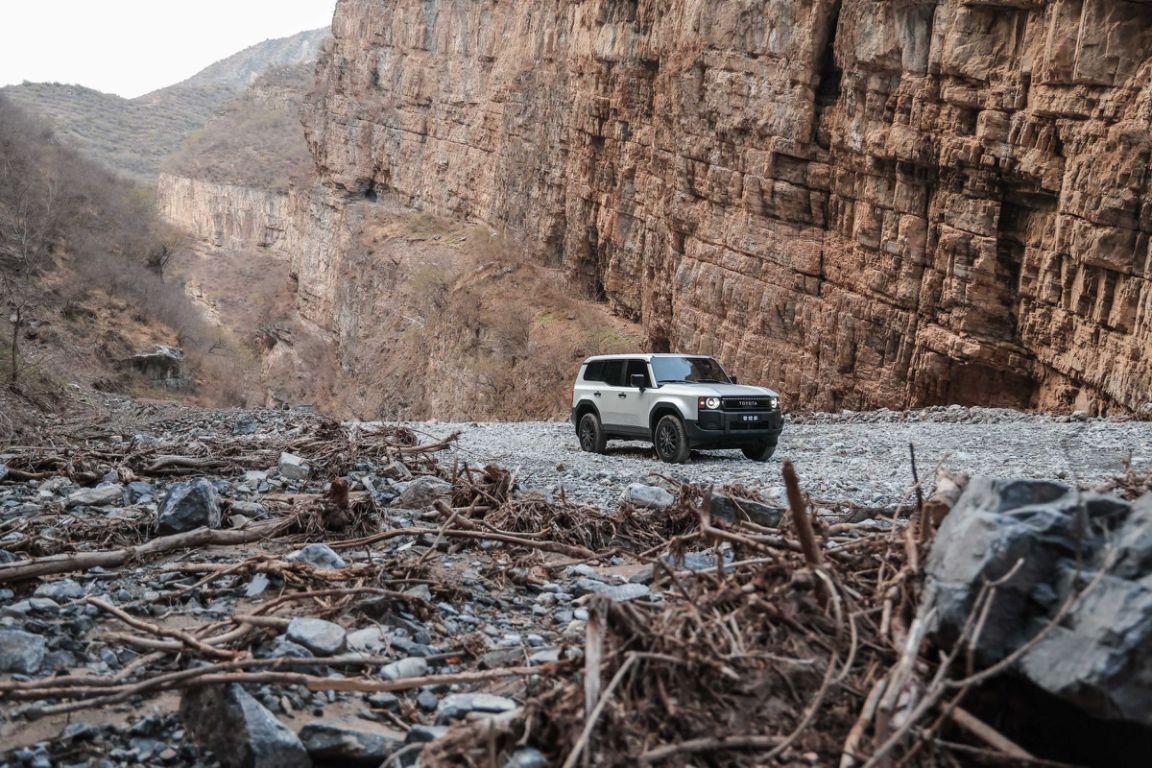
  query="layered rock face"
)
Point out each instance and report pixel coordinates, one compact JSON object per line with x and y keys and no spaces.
{"x":224,"y":215}
{"x":862,"y":203}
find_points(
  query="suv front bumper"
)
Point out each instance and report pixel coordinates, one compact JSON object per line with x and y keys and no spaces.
{"x":735,"y":429}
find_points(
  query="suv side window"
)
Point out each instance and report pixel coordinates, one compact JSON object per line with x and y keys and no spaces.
{"x":637,"y":367}
{"x":614,"y":373}
{"x":594,"y":372}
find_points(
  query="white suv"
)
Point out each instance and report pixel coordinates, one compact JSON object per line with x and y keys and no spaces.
{"x":679,"y":402}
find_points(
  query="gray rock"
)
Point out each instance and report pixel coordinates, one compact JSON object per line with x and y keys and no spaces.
{"x":249,"y":509}
{"x":371,"y":639}
{"x":3,"y":471}
{"x":731,"y":509}
{"x":256,"y":586}
{"x":362,"y":745}
{"x":20,"y":652}
{"x":65,"y":589}
{"x":188,"y":506}
{"x":321,"y":637}
{"x":647,"y":496}
{"x":423,"y":734}
{"x":1099,"y":658}
{"x":100,"y":496}
{"x":422,"y":491}
{"x":404,"y":669}
{"x":239,"y":731}
{"x":319,"y":555}
{"x":137,"y":492}
{"x":528,"y":757}
{"x":396,"y":471}
{"x":620,"y":593}
{"x":294,"y":467}
{"x":460,"y":705}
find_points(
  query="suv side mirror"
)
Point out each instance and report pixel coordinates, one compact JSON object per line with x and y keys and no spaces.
{"x":640,"y":381}
{"x":733,"y":378}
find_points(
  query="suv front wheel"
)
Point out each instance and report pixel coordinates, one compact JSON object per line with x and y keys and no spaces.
{"x":760,"y":452}
{"x":591,"y":433}
{"x":671,"y":440}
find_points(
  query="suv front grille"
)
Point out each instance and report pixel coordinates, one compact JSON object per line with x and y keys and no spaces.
{"x":747,"y":403}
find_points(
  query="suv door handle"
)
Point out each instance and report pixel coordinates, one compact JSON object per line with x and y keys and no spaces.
{"x":622,"y":394}
{"x":595,"y":394}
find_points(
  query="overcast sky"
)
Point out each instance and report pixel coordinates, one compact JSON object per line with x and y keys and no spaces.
{"x":131,"y":47}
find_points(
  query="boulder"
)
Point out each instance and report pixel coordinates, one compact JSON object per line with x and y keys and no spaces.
{"x":360,"y":745}
{"x":100,"y":496}
{"x":20,"y":652}
{"x":647,"y":496}
{"x":731,"y":509}
{"x":422,"y":492}
{"x":188,"y":506}
{"x":319,"y":556}
{"x":1099,"y":658}
{"x":321,"y":637}
{"x":163,"y":365}
{"x":293,"y":467}
{"x":239,"y":731}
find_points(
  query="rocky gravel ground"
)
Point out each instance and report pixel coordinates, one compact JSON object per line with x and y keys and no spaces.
{"x":398,"y":631}
{"x":849,"y":457}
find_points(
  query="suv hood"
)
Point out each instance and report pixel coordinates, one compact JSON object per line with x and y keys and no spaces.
{"x":720,"y":390}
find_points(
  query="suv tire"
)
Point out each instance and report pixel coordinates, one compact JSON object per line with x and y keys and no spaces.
{"x":591,"y":433}
{"x":760,"y":452}
{"x":671,"y":440}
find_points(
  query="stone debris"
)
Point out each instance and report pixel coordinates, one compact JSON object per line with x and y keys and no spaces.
{"x":359,"y":745}
{"x":319,"y":555}
{"x":460,"y":705}
{"x":454,"y":624}
{"x":1043,"y":543}
{"x":413,"y":666}
{"x":240,"y":731}
{"x":21,"y":652}
{"x":188,"y":506}
{"x":321,"y":637}
{"x":100,"y":496}
{"x":649,"y":496}
{"x":293,"y":467}
{"x":421,"y":492}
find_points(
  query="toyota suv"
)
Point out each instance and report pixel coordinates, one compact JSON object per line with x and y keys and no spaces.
{"x":679,"y":402}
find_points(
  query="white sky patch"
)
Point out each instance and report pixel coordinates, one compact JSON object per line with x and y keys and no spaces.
{"x":132,"y":47}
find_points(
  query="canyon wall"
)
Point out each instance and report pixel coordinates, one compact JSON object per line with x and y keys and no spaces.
{"x":861,"y":203}
{"x":224,"y":215}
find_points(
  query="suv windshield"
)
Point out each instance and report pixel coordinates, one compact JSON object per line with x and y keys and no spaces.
{"x":698,"y":369}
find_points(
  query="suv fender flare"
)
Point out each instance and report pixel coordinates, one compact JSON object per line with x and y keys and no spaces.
{"x":662,"y":409}
{"x":583,"y":407}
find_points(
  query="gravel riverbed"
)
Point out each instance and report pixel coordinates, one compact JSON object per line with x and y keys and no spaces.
{"x":858,"y":458}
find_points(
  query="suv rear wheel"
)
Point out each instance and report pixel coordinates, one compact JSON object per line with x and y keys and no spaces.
{"x":760,"y":452}
{"x":671,"y":440}
{"x":591,"y":433}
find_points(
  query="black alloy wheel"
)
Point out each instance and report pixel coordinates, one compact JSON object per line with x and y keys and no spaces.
{"x":671,"y":440}
{"x":591,"y":434}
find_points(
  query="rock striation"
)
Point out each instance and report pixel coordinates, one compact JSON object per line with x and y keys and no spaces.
{"x":863,"y":203}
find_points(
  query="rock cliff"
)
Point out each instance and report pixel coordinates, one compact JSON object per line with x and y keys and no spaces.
{"x":862,"y":203}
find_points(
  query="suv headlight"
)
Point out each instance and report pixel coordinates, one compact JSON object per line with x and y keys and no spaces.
{"x":774,"y":403}
{"x":709,"y":403}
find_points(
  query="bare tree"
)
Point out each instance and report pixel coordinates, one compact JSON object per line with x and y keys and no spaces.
{"x":30,"y":223}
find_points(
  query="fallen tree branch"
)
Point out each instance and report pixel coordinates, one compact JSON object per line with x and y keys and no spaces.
{"x":83,"y":561}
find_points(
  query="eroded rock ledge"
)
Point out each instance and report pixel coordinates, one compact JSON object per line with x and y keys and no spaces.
{"x":864,"y":203}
